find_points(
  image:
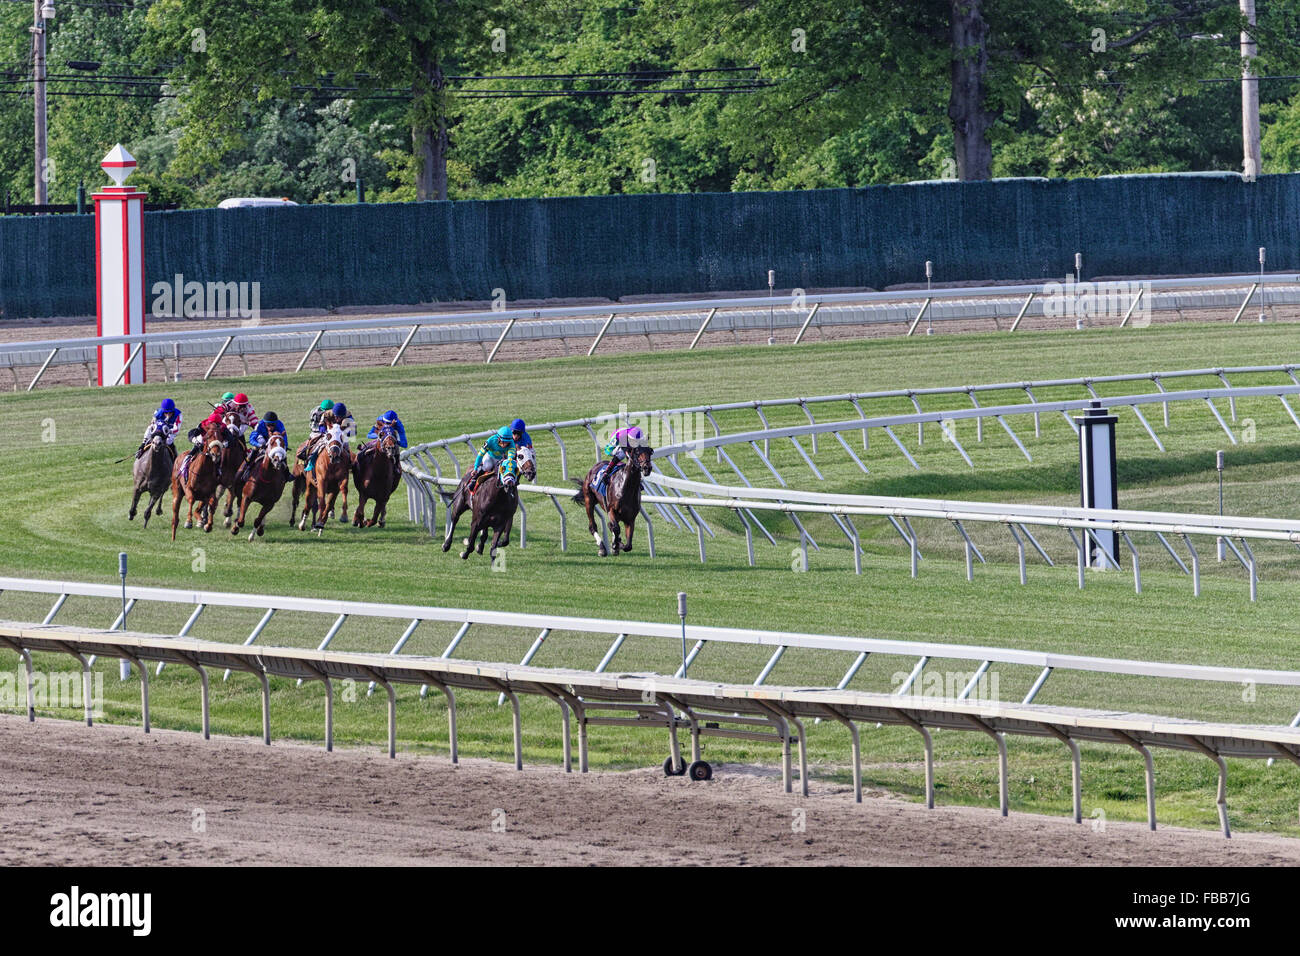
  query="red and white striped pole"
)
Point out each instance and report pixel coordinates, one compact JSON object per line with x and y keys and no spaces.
{"x":119,"y":270}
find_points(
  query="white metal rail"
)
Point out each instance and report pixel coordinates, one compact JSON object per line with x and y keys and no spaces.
{"x":775,"y":714}
{"x":494,"y":327}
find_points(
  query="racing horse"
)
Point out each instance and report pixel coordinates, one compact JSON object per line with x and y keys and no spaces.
{"x":152,"y":471}
{"x":493,"y":500}
{"x":236,"y":451}
{"x":376,"y":471}
{"x":263,"y":485}
{"x":622,"y":498}
{"x":329,"y":477}
{"x":199,"y":482}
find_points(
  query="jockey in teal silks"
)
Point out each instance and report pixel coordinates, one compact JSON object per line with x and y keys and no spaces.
{"x":495,"y":450}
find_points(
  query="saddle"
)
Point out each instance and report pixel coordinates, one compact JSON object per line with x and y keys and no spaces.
{"x":607,"y":471}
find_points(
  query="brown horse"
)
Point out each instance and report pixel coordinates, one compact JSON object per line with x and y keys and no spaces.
{"x":263,"y":486}
{"x":494,"y":500}
{"x":200,"y":485}
{"x":236,"y":451}
{"x":621,"y":501}
{"x":152,"y":472}
{"x":376,"y":471}
{"x":329,"y":477}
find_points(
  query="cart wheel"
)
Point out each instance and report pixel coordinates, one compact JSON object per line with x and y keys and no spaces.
{"x":669,"y":771}
{"x":700,"y":770}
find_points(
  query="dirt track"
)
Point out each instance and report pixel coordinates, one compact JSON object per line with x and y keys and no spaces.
{"x":70,"y":794}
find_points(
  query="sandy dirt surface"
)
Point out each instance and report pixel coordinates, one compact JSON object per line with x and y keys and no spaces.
{"x":71,"y":794}
{"x":31,"y":330}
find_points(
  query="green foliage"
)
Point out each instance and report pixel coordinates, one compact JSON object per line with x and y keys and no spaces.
{"x":291,"y":97}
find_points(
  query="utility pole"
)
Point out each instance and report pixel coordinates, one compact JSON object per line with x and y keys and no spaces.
{"x":42,"y":10}
{"x":1249,"y":96}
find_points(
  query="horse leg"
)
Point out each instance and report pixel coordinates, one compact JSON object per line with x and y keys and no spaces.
{"x":473,"y":531}
{"x":483,"y":535}
{"x":189,"y":515}
{"x":343,"y":509}
{"x":627,"y":544}
{"x":239,"y":519}
{"x":456,"y":509}
{"x":210,"y":513}
{"x":359,"y":516}
{"x":590,"y":504}
{"x":135,"y":500}
{"x":259,"y":523}
{"x":176,"y":506}
{"x":154,"y":500}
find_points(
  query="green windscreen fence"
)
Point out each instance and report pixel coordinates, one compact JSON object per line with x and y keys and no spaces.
{"x":612,"y":246}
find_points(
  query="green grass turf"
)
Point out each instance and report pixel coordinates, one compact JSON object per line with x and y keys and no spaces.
{"x":65,"y":517}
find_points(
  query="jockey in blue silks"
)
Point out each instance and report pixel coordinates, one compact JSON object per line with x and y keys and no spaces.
{"x":166,"y":419}
{"x":520,"y":432}
{"x":388,"y":419}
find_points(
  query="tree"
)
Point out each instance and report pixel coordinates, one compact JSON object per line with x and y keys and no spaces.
{"x":232,"y":55}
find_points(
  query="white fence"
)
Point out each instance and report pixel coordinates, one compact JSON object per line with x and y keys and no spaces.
{"x":703,"y":708}
{"x":595,"y":323}
{"x":684,"y":512}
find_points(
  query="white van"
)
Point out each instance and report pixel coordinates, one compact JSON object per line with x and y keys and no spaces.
{"x":246,"y":201}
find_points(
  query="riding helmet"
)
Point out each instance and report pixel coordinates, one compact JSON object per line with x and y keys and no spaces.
{"x":390,"y":416}
{"x":505,"y":432}
{"x":326,"y":405}
{"x":518,"y":425}
{"x":340,"y":410}
{"x":228,"y":396}
{"x":241,"y":399}
{"x":271,"y":417}
{"x":635,"y":434}
{"x":168,"y":405}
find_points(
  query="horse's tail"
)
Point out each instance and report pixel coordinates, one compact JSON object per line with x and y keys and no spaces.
{"x":582,"y":491}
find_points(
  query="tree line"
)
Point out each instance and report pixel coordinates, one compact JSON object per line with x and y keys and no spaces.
{"x":474,"y":99}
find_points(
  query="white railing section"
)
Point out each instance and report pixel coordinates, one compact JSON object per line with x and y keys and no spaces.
{"x":595,"y":323}
{"x":684,"y":512}
{"x":775,"y":714}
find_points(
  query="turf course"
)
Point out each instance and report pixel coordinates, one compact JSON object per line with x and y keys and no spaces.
{"x":65,"y":517}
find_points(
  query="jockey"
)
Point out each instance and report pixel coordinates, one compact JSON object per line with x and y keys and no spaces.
{"x":318,"y":417}
{"x":621,"y":441}
{"x":496,"y":449}
{"x":241,"y":411}
{"x":337,"y":415}
{"x":260,"y":435}
{"x":388,"y":420}
{"x":168,"y":420}
{"x":520,"y":432}
{"x":343,"y":418}
{"x":616,"y":450}
{"x":257,"y":440}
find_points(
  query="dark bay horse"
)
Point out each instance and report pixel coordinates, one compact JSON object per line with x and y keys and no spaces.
{"x":621,"y":501}
{"x":328,"y":477}
{"x":263,"y":486}
{"x":152,"y":472}
{"x":376,"y":471}
{"x":236,"y":451}
{"x":200,"y":484}
{"x":493,"y":501}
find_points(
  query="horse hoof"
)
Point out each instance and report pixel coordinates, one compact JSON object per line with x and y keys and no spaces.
{"x":188,"y":525}
{"x":381,"y":524}
{"x":604,"y":551}
{"x":446,"y":547}
{"x":261,"y":530}
{"x":226,"y":523}
{"x":130,"y":516}
{"x":252,"y":535}
{"x":465,"y":554}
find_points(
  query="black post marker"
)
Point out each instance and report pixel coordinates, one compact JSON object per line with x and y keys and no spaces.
{"x":681,"y":612}
{"x":1098,"y":483}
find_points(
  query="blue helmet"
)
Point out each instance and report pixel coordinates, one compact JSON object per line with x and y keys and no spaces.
{"x":340,"y":410}
{"x":518,"y":425}
{"x":390,"y":416}
{"x":167,"y":406}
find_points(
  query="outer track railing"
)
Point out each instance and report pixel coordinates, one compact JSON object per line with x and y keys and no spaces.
{"x":595,"y":323}
{"x":775,"y":714}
